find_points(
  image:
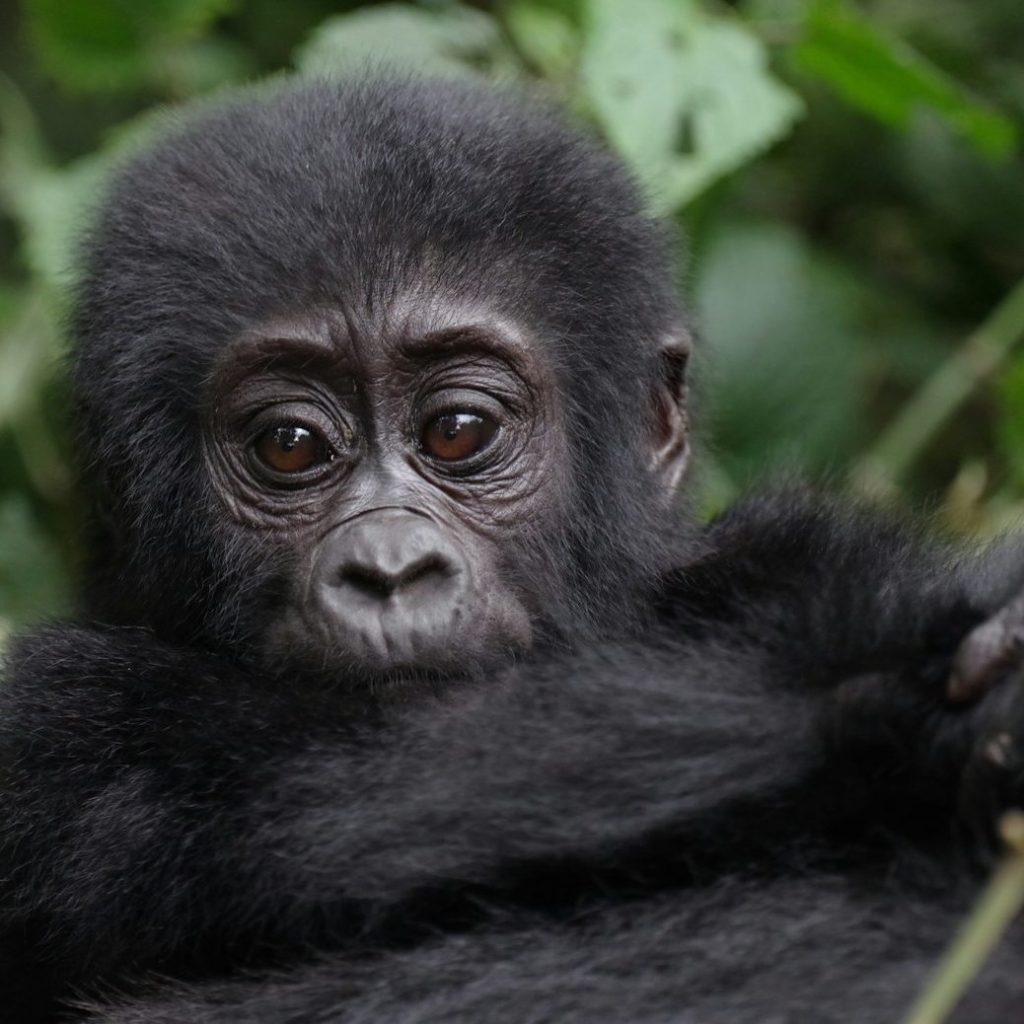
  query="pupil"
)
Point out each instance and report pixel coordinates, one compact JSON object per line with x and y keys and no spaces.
{"x":289,"y":437}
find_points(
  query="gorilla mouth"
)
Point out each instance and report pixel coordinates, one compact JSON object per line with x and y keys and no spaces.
{"x":390,"y":657}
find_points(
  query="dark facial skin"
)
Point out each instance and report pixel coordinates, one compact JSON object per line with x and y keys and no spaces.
{"x":395,"y":464}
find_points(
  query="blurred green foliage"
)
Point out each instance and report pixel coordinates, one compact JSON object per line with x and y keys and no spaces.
{"x":850,"y":175}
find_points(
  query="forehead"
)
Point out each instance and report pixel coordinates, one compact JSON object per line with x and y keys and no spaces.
{"x":334,"y":189}
{"x":400,"y":210}
{"x":412,"y":328}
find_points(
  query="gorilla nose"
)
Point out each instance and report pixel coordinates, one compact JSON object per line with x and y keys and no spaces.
{"x":393,"y":554}
{"x":392,"y":590}
{"x":377,"y":580}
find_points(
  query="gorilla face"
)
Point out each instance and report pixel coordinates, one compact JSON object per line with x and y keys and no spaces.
{"x":400,"y":464}
{"x":365,"y":390}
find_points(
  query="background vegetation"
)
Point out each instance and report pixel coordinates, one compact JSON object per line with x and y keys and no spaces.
{"x":849,"y":174}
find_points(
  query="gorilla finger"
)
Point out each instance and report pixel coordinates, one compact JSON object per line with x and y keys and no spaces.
{"x":990,"y":784}
{"x":987,"y":652}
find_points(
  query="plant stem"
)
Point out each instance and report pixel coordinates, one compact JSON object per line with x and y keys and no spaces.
{"x":998,"y":905}
{"x":942,"y":395}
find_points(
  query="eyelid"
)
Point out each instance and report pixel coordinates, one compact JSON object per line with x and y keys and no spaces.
{"x":446,"y":404}
{"x":335,"y":431}
{"x":463,"y":399}
{"x":260,"y":426}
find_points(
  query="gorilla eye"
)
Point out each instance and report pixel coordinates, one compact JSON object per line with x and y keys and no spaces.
{"x":291,"y":449}
{"x":453,"y":436}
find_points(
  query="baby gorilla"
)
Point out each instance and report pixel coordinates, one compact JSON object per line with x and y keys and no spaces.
{"x":401,"y":689}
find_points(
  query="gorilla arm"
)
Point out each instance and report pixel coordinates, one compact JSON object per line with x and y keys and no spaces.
{"x":166,"y":811}
{"x":158,"y":808}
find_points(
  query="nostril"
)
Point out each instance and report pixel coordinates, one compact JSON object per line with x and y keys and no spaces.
{"x":367,"y":580}
{"x":382,"y":583}
{"x":428,"y":565}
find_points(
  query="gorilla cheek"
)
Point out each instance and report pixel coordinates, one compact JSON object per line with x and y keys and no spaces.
{"x":392,"y":590}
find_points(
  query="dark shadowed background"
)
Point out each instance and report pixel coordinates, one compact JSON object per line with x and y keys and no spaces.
{"x":850,"y":176}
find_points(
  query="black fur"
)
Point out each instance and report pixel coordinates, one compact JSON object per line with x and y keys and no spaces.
{"x":744,"y":811}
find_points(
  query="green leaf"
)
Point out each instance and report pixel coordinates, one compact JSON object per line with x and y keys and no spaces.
{"x":780,"y":12}
{"x":29,"y":343}
{"x":444,"y":41}
{"x":781,"y":339}
{"x":52,"y":207}
{"x":195,"y":66}
{"x":886,"y":79}
{"x":101,"y":45}
{"x":685,"y":98}
{"x":546,"y":37}
{"x":23,"y":157}
{"x":55,"y":208}
{"x":33,"y":579}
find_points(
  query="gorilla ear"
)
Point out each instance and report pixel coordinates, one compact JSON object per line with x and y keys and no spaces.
{"x":670,"y":451}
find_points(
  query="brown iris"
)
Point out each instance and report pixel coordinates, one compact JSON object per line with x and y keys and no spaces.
{"x":290,"y":449}
{"x":457,"y":435}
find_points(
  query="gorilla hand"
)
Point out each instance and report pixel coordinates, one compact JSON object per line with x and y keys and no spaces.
{"x":988,"y":669}
{"x":990,"y":653}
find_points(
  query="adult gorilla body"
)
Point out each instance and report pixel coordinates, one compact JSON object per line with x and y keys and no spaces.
{"x":400,"y":693}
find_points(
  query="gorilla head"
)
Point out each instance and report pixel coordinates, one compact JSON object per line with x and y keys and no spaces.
{"x":378,"y":380}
